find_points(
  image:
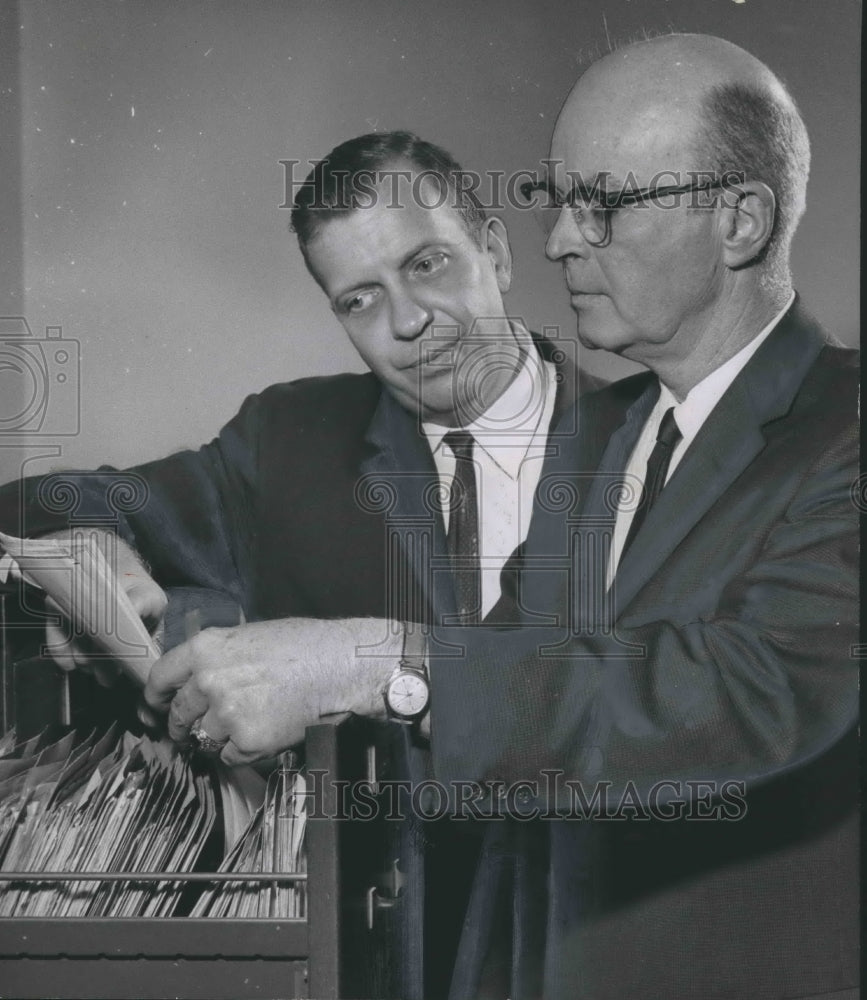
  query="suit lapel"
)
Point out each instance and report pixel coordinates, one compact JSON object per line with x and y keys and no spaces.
{"x":727,"y":443}
{"x":705,"y":472}
{"x":599,"y":506}
{"x":529,"y":569}
{"x":400,"y":474}
{"x":587,"y":539}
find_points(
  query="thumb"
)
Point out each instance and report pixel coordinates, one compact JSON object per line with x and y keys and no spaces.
{"x":147,"y":597}
{"x":148,"y":718}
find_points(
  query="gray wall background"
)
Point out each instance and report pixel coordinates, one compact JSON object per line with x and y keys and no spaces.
{"x":146,"y":221}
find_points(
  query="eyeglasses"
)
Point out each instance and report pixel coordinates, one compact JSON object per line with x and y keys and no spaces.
{"x":593,"y":210}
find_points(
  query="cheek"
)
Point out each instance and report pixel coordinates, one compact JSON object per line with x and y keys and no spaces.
{"x":471,"y":291}
{"x":692,"y":255}
{"x":660,"y":281}
{"x":369,"y":342}
{"x":637,"y":285}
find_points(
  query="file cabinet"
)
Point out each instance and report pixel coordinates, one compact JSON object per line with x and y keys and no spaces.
{"x":343,"y":948}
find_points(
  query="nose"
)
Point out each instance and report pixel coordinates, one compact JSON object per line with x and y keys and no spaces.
{"x":409,"y":317}
{"x":565,"y":238}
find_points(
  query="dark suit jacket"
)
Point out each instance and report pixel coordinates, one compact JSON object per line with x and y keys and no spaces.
{"x":724,"y":658}
{"x":315,"y":500}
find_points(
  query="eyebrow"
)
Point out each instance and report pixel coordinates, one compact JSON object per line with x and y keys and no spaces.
{"x":402,"y":264}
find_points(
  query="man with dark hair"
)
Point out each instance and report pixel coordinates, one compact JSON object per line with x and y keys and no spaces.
{"x":415,"y":272}
{"x":391,"y":499}
{"x":663,"y":729}
{"x":345,"y":180}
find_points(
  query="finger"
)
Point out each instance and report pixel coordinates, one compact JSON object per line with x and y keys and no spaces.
{"x":66,"y":652}
{"x":208,"y":737}
{"x":147,"y":597}
{"x":59,"y":647}
{"x":168,"y":675}
{"x":148,"y":718}
{"x":233,"y":756}
{"x":58,"y":644}
{"x":188,"y":706}
{"x":159,"y":635}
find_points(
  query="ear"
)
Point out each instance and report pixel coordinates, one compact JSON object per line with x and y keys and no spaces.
{"x":748,"y":213}
{"x":494,"y":240}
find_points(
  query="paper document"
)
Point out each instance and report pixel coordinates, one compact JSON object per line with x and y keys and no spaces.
{"x":75,"y":573}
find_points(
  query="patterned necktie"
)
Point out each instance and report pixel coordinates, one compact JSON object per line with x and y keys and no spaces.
{"x":667,"y":439}
{"x":463,"y":534}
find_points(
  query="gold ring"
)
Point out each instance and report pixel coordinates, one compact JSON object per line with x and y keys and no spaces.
{"x":205,"y":744}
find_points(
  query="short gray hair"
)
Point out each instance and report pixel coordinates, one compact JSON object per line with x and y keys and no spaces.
{"x":751,"y":131}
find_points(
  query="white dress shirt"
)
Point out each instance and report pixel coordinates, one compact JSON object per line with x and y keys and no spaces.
{"x":510,"y":443}
{"x":689,"y":415}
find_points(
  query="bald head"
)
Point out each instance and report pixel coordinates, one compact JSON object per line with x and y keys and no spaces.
{"x":674,"y":69}
{"x":678,"y":105}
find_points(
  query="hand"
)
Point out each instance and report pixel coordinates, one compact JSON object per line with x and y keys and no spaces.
{"x":146,"y":596}
{"x":261,"y":685}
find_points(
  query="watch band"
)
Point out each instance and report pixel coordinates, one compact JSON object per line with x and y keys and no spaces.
{"x":414,"y":652}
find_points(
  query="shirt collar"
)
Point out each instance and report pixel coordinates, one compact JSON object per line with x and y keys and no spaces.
{"x":507,"y":428}
{"x":696,"y":407}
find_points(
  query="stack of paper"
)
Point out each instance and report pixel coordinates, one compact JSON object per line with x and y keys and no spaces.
{"x":272,"y":842}
{"x":99,"y":805}
{"x":130,"y":805}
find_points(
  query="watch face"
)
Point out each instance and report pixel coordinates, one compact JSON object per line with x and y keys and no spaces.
{"x":407,"y":694}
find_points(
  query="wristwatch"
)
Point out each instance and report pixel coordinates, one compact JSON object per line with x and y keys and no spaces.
{"x":407,"y":692}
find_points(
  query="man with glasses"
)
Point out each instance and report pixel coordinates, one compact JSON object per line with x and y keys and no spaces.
{"x":593,"y":207}
{"x":661,"y":735}
{"x":667,"y":736}
{"x":712,"y":648}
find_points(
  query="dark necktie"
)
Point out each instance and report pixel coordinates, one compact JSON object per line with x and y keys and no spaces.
{"x":667,"y":438}
{"x":463,"y":534}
